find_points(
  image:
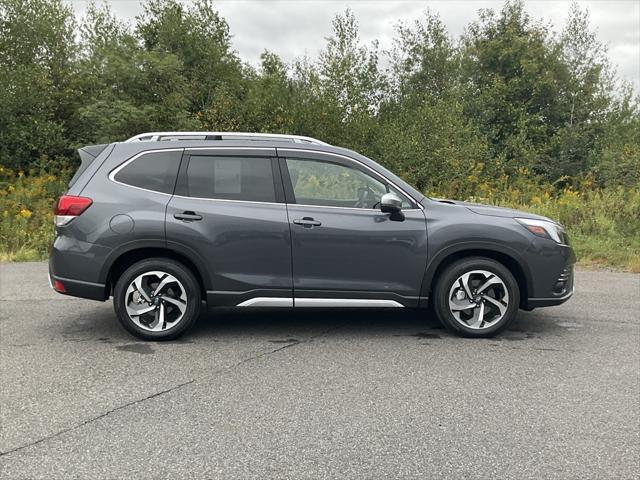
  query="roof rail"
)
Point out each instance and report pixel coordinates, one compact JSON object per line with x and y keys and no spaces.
{"x":167,"y":136}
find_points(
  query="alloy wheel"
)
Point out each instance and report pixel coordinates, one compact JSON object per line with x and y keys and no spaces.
{"x":156,"y":301}
{"x":478,"y":299}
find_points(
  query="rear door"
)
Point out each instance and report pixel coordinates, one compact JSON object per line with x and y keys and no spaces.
{"x":228,"y":210}
{"x":346,"y":252}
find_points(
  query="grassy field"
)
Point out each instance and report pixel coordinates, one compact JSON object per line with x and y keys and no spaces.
{"x":604,"y":224}
{"x":601,"y":232}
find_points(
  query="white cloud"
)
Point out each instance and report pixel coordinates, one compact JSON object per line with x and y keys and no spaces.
{"x":295,"y":28}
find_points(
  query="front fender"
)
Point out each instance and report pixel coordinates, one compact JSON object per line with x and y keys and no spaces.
{"x":473,"y":248}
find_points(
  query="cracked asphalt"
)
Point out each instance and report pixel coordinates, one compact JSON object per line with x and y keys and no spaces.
{"x":319,"y":394}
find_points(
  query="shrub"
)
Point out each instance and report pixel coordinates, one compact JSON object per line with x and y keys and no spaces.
{"x":604,"y":224}
{"x":26,"y":213}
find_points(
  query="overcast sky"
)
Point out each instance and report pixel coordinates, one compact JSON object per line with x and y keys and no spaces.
{"x":295,"y":28}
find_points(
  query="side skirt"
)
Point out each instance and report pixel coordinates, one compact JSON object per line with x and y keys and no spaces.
{"x":307,"y":298}
{"x":318,"y":302}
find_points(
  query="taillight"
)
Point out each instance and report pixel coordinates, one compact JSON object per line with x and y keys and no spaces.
{"x":69,"y":207}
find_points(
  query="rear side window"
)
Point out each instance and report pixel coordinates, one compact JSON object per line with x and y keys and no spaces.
{"x":155,"y":171}
{"x":231,"y":178}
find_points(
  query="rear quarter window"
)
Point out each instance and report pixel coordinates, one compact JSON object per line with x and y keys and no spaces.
{"x":156,"y":171}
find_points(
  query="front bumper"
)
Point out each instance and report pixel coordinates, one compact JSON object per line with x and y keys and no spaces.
{"x":562,"y":290}
{"x":548,"y":302}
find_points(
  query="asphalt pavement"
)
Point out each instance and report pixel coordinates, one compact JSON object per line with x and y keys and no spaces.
{"x":319,"y":394}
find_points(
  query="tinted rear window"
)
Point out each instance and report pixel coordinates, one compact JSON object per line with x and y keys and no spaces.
{"x":231,"y":178}
{"x":153,"y":171}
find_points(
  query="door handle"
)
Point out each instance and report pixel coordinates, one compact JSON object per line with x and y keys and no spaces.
{"x":307,"y":222}
{"x":187,"y":216}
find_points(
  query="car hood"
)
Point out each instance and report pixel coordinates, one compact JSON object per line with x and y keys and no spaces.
{"x":493,"y":211}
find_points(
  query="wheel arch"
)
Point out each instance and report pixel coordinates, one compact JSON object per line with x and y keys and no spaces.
{"x":505,"y":256}
{"x":124,"y":259}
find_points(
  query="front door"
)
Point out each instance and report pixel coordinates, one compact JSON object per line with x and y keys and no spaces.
{"x":345,"y":250}
{"x":229,"y":211}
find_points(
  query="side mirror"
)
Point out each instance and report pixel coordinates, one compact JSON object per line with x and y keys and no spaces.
{"x":390,"y":203}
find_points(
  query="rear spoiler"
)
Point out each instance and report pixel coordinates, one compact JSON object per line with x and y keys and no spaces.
{"x":87,"y":155}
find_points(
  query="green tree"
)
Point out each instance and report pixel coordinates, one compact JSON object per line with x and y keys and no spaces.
{"x":269,"y":105}
{"x":425,"y":135}
{"x":511,"y":70}
{"x":585,"y":99}
{"x":125,"y":89}
{"x":424,"y":60}
{"x":199,"y":38}
{"x":449,"y":114}
{"x":37,"y":55}
{"x":341,"y":92}
{"x":618,"y":153}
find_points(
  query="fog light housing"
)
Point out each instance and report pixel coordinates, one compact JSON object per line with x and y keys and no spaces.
{"x":563,"y":283}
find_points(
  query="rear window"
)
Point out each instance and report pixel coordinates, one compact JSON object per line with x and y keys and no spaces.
{"x":155,"y":171}
{"x":231,"y":178}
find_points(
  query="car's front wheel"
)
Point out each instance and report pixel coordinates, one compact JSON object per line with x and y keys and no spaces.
{"x":157,"y":299}
{"x":476,"y":297}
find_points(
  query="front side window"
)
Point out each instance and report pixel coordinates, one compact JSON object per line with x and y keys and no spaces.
{"x":230,"y":178}
{"x":155,"y":171}
{"x":329,"y":184}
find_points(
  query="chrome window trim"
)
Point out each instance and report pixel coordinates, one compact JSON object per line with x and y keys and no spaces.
{"x":364,"y":210}
{"x":229,"y":200}
{"x":369,"y":210}
{"x":339,"y":155}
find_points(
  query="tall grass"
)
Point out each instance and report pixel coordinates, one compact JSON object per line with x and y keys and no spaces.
{"x":604,"y":224}
{"x":26,"y":213}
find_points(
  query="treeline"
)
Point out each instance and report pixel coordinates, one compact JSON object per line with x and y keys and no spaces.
{"x":509,"y":98}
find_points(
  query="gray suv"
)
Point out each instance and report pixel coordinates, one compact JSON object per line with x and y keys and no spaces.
{"x":167,"y":220}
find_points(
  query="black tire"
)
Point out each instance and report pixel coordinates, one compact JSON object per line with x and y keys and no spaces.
{"x":182,"y":274}
{"x":445,"y":282}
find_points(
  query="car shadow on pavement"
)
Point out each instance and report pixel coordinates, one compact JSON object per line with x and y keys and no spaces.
{"x":285,"y":325}
{"x":292,"y":324}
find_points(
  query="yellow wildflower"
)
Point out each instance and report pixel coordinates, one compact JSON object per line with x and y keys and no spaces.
{"x":25,"y":213}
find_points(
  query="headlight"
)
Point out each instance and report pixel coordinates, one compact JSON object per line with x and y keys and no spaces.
{"x":544,"y":229}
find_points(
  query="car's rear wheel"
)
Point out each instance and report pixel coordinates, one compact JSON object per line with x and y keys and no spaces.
{"x":157,"y":299}
{"x":476,"y":297}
